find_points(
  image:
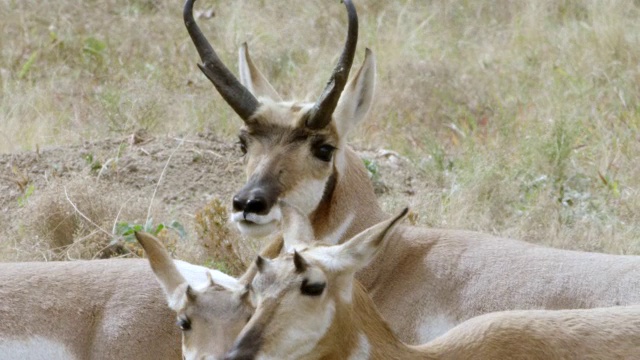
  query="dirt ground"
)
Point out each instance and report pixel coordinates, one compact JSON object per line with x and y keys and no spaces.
{"x":53,"y":198}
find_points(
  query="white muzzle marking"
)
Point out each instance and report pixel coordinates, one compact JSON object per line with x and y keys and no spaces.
{"x":254,"y":225}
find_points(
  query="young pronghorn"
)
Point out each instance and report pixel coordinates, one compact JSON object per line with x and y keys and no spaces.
{"x":210,"y":315}
{"x":98,"y":309}
{"x":309,"y":306}
{"x":429,"y":280}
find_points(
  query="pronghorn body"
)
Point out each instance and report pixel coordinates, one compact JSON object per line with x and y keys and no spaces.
{"x":309,"y":306}
{"x":428,"y":280}
{"x":99,"y":309}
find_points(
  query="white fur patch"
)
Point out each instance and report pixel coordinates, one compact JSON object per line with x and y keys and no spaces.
{"x":363,"y":350}
{"x":194,"y":355}
{"x":194,"y":274}
{"x":341,"y":159}
{"x":35,"y":348}
{"x":331,"y":257}
{"x":254,"y":225}
{"x":432,"y":327}
{"x":307,"y":195}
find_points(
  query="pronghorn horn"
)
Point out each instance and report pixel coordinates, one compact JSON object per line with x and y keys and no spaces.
{"x":320,"y":114}
{"x":299,"y":262}
{"x":233,"y":92}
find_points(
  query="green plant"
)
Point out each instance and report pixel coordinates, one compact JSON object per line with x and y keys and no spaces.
{"x":27,"y":65}
{"x":127,"y":230}
{"x":22,"y":199}
{"x":94,"y":48}
{"x":372,"y":167}
{"x":94,"y":164}
{"x":124,"y":234}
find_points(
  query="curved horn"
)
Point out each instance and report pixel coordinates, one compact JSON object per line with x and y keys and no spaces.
{"x":236,"y":95}
{"x":320,"y":115}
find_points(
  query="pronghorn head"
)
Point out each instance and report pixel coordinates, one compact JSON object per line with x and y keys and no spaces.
{"x":211,"y":315}
{"x":302,"y":296}
{"x":293,"y":151}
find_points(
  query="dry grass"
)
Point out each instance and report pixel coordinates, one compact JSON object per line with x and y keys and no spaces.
{"x":222,"y":247}
{"x":523,"y":117}
{"x":75,"y":219}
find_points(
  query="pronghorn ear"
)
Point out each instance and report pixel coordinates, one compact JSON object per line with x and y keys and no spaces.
{"x":262,"y":264}
{"x":299,"y":262}
{"x":356,"y":97}
{"x":252,"y":78}
{"x":360,"y":250}
{"x":223,"y":281}
{"x":162,"y":265}
{"x":297,"y":231}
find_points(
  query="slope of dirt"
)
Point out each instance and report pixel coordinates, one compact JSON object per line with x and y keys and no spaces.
{"x":117,"y":178}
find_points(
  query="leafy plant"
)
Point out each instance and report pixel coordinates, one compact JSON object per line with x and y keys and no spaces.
{"x":126,"y":230}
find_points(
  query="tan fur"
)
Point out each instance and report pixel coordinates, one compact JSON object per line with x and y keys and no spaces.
{"x":601,"y":333}
{"x":429,"y":280}
{"x":284,"y":311}
{"x":211,"y":315}
{"x":99,"y":309}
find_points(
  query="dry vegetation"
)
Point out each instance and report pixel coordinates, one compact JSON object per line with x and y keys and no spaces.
{"x":519,"y":118}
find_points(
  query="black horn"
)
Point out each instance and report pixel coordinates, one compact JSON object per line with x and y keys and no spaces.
{"x":233,"y":92}
{"x":320,"y":114}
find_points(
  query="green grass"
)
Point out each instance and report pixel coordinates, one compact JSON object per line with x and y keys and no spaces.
{"x":523,"y":117}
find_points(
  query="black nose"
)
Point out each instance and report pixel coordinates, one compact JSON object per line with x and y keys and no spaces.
{"x":253,"y":201}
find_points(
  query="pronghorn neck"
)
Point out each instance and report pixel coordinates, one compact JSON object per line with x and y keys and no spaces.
{"x":360,"y":333}
{"x":349,"y":204}
{"x":381,"y":341}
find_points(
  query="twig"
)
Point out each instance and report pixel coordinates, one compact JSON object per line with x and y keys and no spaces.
{"x":115,"y":222}
{"x":81,"y":214}
{"x":160,"y":179}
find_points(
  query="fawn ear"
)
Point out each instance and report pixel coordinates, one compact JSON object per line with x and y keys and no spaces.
{"x":252,"y":78}
{"x":173,"y":283}
{"x":360,"y":250}
{"x":357,"y":97}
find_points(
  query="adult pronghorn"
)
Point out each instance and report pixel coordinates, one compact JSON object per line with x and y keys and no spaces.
{"x":309,"y":306}
{"x":429,"y":280}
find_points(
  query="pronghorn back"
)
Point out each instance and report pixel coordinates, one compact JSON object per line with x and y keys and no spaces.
{"x":98,"y":309}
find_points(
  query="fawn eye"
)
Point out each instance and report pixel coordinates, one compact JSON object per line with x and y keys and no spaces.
{"x":313,"y":289}
{"x":184,"y":324}
{"x":323,"y":152}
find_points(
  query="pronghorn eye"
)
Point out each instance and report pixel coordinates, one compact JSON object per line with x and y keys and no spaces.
{"x":313,"y":289}
{"x":184,"y":324}
{"x":323,"y":152}
{"x":242,"y":145}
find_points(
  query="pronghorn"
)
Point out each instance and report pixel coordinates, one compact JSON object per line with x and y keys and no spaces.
{"x":98,"y":309}
{"x":211,"y":314}
{"x":430,"y":279}
{"x":309,"y":306}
